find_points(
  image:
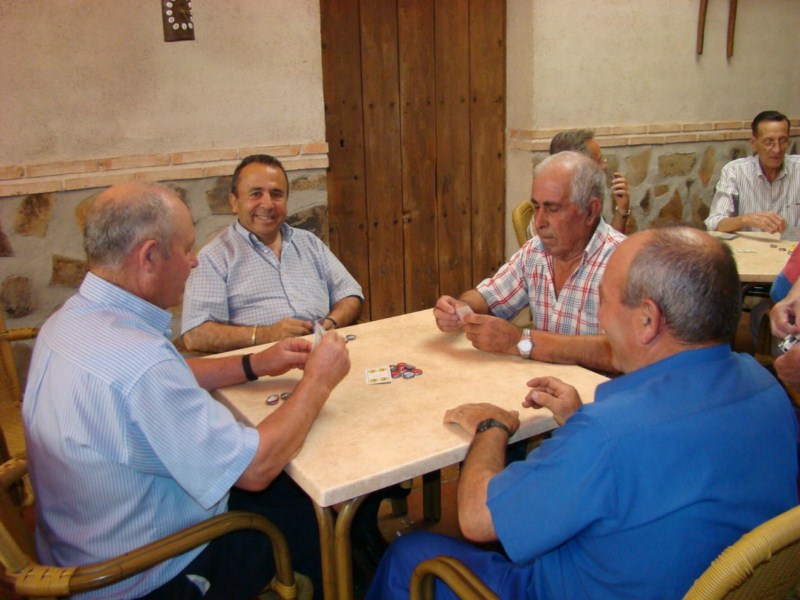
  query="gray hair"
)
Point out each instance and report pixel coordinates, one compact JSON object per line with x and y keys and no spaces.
{"x":694,"y":281}
{"x":572,"y":139}
{"x":588,"y":179}
{"x":118,"y":221}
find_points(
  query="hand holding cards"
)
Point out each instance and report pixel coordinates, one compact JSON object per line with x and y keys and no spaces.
{"x":462,"y":310}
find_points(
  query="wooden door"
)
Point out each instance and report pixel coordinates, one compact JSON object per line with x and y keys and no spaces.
{"x":415,"y":119}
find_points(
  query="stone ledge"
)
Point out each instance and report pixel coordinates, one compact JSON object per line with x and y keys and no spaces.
{"x":19,"y":180}
{"x":538,"y":140}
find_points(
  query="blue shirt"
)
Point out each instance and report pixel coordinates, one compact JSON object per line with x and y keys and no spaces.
{"x":124,"y":446}
{"x":636,"y":493}
{"x":240,"y":281}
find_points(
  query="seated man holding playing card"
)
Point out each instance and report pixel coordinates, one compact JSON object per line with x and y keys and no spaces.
{"x":261,"y":280}
{"x":557,"y":273}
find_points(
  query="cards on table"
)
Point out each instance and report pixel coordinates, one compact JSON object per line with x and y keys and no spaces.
{"x":378,"y":375}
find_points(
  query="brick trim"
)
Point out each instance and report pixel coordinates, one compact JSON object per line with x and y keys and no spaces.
{"x":18,"y":180}
{"x":538,"y":140}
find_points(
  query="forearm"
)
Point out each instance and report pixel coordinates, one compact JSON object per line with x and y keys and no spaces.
{"x":486,"y":458}
{"x":590,"y":351}
{"x":283,"y":432}
{"x":619,"y":221}
{"x":731,"y":224}
{"x":221,"y":337}
{"x":345,"y":311}
{"x":216,"y":372}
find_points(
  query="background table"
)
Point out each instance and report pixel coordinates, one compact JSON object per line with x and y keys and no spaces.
{"x":368,"y":437}
{"x":760,"y":256}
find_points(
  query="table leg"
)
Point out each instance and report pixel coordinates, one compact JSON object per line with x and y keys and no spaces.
{"x":432,"y":496}
{"x":342,"y":548}
{"x":325,"y":520}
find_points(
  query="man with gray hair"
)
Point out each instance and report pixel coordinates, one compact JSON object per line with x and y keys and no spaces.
{"x":126,"y":445}
{"x":583,"y":141}
{"x":664,"y":470}
{"x":556,"y":274}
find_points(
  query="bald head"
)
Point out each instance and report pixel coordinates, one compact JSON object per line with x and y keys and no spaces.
{"x":691,"y":276}
{"x":123,"y":216}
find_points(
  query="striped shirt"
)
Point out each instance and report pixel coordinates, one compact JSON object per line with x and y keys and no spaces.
{"x":240,"y":281}
{"x":743,"y":188}
{"x":528,"y":279}
{"x":124,"y":446}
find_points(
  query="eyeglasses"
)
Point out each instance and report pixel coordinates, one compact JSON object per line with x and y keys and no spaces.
{"x":770,"y":143}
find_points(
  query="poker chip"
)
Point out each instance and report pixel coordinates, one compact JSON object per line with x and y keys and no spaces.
{"x":408,"y":375}
{"x":349,"y":337}
{"x":285,"y":395}
{"x":273,"y":399}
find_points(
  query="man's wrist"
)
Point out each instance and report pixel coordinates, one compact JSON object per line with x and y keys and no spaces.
{"x":624,"y":213}
{"x":487,"y":424}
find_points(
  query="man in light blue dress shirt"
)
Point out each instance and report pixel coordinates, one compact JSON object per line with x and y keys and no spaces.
{"x":125,"y":443}
{"x":261,"y":280}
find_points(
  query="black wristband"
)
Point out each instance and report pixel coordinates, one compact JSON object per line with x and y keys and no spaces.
{"x":489,"y":423}
{"x":248,"y":368}
{"x":332,"y":320}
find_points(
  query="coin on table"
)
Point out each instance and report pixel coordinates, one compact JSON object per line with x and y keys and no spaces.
{"x":285,"y":395}
{"x":273,"y":399}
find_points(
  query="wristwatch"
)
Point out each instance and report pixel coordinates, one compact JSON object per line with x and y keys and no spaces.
{"x":525,"y":344}
{"x":489,"y":423}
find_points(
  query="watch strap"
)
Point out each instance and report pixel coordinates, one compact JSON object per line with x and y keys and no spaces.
{"x":248,"y":368}
{"x":491,"y":423}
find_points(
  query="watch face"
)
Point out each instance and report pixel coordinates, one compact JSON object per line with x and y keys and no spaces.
{"x":525,"y":346}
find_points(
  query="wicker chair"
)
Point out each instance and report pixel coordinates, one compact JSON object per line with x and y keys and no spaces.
{"x":764,"y":564}
{"x":521,"y":217}
{"x":464,"y":583}
{"x":12,"y":439}
{"x":21,"y":574}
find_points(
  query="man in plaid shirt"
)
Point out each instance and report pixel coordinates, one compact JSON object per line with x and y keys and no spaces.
{"x":556,"y":273}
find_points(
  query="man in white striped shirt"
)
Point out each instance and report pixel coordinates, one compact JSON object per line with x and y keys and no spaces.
{"x":760,"y":192}
{"x":125,"y":443}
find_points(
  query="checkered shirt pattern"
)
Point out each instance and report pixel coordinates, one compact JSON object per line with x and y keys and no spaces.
{"x":528,"y":278}
{"x":743,"y":189}
{"x":240,"y":281}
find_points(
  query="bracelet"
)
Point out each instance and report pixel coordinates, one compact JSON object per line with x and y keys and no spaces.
{"x":624,"y":214}
{"x":332,"y":320}
{"x":248,"y":368}
{"x":253,"y":337}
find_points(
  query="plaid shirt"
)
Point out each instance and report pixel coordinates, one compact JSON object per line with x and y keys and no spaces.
{"x":528,"y":278}
{"x":240,"y":281}
{"x":743,"y":189}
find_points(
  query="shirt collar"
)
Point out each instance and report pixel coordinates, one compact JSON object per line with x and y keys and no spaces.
{"x":100,"y":291}
{"x":251,"y":238}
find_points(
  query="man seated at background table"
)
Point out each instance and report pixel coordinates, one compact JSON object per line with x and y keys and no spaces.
{"x":556,"y":273}
{"x":125,"y":443}
{"x":636,"y":493}
{"x":760,"y":192}
{"x":583,"y":141}
{"x":261,"y":280}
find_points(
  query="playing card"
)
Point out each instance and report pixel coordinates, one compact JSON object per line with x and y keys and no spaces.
{"x":462,"y":310}
{"x":319,"y":331}
{"x":378,"y":375}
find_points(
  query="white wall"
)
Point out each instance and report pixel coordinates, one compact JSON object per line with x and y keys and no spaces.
{"x":88,"y":78}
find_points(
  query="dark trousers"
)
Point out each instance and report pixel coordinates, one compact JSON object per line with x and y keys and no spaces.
{"x":240,"y":564}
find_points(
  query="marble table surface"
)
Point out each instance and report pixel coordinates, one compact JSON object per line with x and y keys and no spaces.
{"x":760,"y":256}
{"x":370,"y":436}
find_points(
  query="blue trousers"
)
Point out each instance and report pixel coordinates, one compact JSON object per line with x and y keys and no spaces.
{"x":505,"y":578}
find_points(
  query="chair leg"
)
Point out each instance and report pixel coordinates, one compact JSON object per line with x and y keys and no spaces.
{"x":432,"y":496}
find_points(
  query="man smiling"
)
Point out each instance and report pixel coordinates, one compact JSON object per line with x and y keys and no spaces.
{"x":760,"y":192}
{"x":556,"y":274}
{"x":261,"y":280}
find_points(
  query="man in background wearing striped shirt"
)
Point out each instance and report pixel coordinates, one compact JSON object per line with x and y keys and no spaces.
{"x":760,"y":192}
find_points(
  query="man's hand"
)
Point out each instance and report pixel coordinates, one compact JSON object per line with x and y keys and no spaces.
{"x":620,"y":193}
{"x":329,"y":362}
{"x":549,"y":392}
{"x":492,"y":334}
{"x":279,"y":358}
{"x":787,"y":367}
{"x":768,"y":221}
{"x":287,"y":327}
{"x":469,"y":416}
{"x":445,"y":313}
{"x":783,"y":316}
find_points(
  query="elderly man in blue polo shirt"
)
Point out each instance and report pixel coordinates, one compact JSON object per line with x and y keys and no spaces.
{"x":261,"y":280}
{"x":636,"y":493}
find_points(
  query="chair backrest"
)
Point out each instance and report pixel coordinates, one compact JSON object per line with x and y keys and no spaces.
{"x":763,"y":564}
{"x":521,"y":217}
{"x":458,"y":577}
